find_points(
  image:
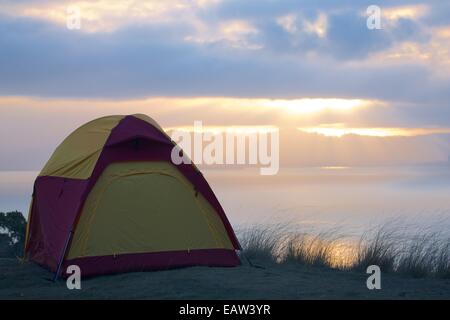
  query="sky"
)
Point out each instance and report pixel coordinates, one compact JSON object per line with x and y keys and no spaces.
{"x":341,"y":93}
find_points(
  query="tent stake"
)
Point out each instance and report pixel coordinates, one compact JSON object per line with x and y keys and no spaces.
{"x":250,"y":263}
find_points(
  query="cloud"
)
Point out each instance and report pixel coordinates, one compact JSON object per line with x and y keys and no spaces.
{"x":253,"y":49}
{"x":42,"y":59}
{"x":253,"y":62}
{"x":235,"y":34}
{"x":338,"y":130}
{"x":39,"y":125}
{"x":107,"y":16}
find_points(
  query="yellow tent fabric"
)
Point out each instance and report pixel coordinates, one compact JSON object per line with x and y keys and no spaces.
{"x":77,"y":155}
{"x":138,"y":207}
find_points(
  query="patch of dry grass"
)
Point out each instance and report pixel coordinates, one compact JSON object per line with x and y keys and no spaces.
{"x":421,"y":254}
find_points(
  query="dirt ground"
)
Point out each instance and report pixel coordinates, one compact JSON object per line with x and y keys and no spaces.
{"x":29,"y":281}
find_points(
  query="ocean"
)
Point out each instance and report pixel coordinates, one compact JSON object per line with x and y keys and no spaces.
{"x":351,"y":198}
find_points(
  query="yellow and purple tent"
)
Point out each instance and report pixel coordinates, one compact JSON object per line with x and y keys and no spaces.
{"x":110,"y":200}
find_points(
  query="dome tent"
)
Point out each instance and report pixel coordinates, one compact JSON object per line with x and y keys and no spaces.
{"x":110,"y":200}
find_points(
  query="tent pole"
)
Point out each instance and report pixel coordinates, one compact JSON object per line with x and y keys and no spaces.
{"x":58,"y":270}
